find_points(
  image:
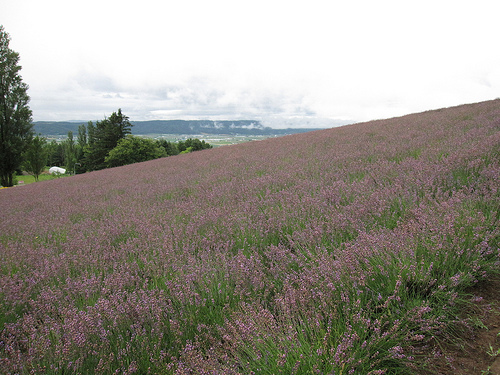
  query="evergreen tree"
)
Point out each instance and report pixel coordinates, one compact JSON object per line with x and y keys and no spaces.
{"x":69,"y":147}
{"x":15,"y":114}
{"x":55,"y":157}
{"x":87,"y":160}
{"x":82,"y":136}
{"x":170,"y":147}
{"x":103,"y":137}
{"x":90,"y":134}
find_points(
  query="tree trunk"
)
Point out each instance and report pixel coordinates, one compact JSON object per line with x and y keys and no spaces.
{"x":6,"y":180}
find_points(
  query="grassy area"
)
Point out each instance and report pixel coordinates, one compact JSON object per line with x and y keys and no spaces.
{"x":29,"y":179}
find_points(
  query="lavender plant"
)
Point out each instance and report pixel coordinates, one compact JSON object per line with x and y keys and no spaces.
{"x":338,"y":251}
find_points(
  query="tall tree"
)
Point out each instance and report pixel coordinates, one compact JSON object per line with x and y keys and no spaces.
{"x":90,"y":134}
{"x":87,"y":159}
{"x":82,"y":135}
{"x":35,"y":157}
{"x":55,"y":154}
{"x":103,"y":137}
{"x":15,"y":115}
{"x":70,"y":151}
{"x":80,"y":148}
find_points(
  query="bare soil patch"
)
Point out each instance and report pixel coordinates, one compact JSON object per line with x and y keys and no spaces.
{"x":477,"y":350}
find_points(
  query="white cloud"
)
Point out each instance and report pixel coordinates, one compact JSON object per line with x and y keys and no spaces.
{"x":265,"y":58}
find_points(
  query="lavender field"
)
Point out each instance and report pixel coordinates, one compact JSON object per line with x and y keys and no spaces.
{"x":339,"y":251}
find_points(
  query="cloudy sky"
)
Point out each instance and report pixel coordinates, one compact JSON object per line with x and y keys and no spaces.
{"x":270,"y":60}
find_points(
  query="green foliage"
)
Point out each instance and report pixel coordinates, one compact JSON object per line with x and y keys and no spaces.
{"x":170,"y":147}
{"x":15,"y":114}
{"x":55,"y":154}
{"x":194,"y":144}
{"x":103,"y":137}
{"x":108,"y":143}
{"x":133,"y":149}
{"x":35,"y":158}
{"x":72,"y":152}
{"x":187,"y":150}
{"x":82,"y":135}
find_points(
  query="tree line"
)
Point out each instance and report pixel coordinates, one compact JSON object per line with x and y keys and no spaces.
{"x":107,"y":143}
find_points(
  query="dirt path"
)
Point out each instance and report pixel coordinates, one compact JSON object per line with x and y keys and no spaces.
{"x":477,"y":352}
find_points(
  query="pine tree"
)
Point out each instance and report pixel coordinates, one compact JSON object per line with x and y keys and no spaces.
{"x":103,"y":137}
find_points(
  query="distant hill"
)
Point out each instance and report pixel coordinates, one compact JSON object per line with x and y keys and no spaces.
{"x":237,"y":127}
{"x":56,"y":127}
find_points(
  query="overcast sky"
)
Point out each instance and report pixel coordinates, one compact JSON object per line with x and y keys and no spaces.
{"x":261,"y":59}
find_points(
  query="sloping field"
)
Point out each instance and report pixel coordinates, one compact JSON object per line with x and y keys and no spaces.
{"x":340,"y":251}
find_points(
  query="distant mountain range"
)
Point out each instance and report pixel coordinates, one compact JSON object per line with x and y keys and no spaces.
{"x":194,"y":127}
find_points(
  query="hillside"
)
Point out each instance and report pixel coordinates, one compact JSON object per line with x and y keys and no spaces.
{"x":189,"y":127}
{"x":350,"y":250}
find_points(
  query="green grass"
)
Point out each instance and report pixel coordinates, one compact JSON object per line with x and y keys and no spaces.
{"x":29,"y":179}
